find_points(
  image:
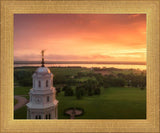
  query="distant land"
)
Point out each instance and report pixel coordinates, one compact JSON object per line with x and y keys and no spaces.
{"x":81,"y":62}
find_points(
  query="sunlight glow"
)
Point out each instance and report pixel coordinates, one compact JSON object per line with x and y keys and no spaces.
{"x":77,"y":37}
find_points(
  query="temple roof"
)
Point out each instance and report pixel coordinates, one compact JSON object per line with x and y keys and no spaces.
{"x":43,"y":70}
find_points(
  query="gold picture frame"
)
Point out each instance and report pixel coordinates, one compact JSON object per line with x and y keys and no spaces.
{"x":11,"y":7}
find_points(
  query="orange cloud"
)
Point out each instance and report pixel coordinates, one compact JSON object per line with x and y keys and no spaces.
{"x":80,"y":36}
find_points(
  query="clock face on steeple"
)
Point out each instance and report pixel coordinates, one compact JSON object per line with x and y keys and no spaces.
{"x":38,"y":100}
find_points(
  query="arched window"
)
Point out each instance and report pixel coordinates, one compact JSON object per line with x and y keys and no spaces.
{"x":39,"y":84}
{"x":47,"y":98}
{"x":36,"y":116}
{"x":46,"y":116}
{"x":46,"y":83}
{"x":49,"y":116}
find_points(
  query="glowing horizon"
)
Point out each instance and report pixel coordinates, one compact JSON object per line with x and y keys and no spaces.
{"x":80,"y":37}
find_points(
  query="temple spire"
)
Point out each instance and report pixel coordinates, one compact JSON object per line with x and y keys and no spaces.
{"x":42,"y":58}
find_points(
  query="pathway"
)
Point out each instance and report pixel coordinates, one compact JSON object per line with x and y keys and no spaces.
{"x":21,"y":102}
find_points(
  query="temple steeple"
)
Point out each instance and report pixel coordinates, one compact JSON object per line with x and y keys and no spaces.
{"x":42,"y":103}
{"x":42,"y":58}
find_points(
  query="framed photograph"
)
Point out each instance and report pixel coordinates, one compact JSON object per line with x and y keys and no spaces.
{"x":80,"y":66}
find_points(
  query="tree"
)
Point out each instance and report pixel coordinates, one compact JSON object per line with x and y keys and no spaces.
{"x":24,"y":78}
{"x":119,"y":82}
{"x":58,"y":90}
{"x":25,"y":82}
{"x":97,"y":91}
{"x":68,"y":91}
{"x":60,"y":79}
{"x":91,"y":87}
{"x":79,"y":92}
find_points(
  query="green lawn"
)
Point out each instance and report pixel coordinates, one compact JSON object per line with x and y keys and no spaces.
{"x":113,"y":103}
{"x":24,"y":91}
{"x":19,"y":90}
{"x":21,"y":113}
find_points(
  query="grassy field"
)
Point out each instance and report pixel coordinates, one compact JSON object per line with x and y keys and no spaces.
{"x":21,"y":113}
{"x":23,"y":91}
{"x":113,"y":103}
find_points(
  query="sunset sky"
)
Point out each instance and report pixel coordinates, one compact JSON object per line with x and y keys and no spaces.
{"x":80,"y":37}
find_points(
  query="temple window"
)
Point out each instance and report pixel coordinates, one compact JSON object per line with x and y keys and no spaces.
{"x":49,"y":116}
{"x":38,"y":116}
{"x":39,"y":84}
{"x":46,"y":83}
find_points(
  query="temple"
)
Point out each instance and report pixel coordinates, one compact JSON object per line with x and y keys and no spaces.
{"x":42,"y":103}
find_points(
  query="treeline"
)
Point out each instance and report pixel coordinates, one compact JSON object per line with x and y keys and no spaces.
{"x":89,"y":87}
{"x":93,"y":85}
{"x":117,"y":80}
{"x":23,"y":77}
